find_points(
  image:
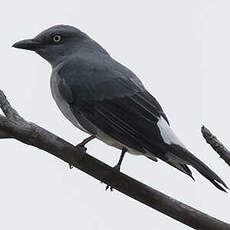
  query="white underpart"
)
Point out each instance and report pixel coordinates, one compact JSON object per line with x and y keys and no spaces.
{"x":167,"y":133}
{"x":112,"y":142}
{"x":61,"y":103}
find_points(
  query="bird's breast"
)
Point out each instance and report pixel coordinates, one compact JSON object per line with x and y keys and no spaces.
{"x":61,"y":103}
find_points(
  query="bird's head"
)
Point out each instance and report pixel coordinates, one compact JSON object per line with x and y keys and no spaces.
{"x":55,"y":43}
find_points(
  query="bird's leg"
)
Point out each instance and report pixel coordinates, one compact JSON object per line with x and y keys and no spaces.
{"x":118,"y":165}
{"x":85,"y":141}
{"x":82,"y":144}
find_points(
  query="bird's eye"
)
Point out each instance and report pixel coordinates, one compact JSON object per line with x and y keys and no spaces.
{"x":57,"y":38}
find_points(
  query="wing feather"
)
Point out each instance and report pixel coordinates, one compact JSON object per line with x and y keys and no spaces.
{"x":129,"y":120}
{"x":114,"y":100}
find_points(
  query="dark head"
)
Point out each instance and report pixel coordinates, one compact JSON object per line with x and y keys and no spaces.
{"x":55,"y":43}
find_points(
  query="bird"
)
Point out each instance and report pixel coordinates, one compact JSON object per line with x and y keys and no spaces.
{"x":108,"y":101}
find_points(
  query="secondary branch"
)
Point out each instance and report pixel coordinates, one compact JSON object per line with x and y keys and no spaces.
{"x":216,"y":144}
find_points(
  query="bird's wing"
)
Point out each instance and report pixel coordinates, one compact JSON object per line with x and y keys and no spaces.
{"x":132,"y":120}
{"x":117,"y":104}
{"x":115,"y":101}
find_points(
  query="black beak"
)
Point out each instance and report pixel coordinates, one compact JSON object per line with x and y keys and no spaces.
{"x":28,"y":44}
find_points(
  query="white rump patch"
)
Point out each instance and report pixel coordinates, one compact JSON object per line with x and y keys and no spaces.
{"x":167,"y":133}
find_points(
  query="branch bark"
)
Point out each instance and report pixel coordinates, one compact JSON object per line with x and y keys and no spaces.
{"x":216,"y":144}
{"x":29,"y":133}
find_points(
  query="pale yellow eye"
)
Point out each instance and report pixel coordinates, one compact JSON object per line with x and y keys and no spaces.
{"x":57,"y":38}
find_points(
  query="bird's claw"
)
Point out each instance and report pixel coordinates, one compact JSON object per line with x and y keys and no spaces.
{"x":116,"y":167}
{"x":109,"y":187}
{"x":81,"y":147}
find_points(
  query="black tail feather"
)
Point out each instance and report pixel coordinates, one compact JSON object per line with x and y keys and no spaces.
{"x":203,"y":169}
{"x":182,"y":167}
{"x":186,"y":168}
{"x":216,"y":184}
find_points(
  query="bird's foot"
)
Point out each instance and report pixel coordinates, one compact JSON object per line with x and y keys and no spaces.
{"x":81,"y":145}
{"x":109,"y":187}
{"x":117,"y":167}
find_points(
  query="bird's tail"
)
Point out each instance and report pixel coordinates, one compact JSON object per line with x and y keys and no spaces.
{"x":179,"y":156}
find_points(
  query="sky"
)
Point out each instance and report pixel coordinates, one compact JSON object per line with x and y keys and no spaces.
{"x":179,"y":49}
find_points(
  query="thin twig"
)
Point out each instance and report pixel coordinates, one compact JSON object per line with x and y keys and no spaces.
{"x":216,"y":144}
{"x":32,"y":134}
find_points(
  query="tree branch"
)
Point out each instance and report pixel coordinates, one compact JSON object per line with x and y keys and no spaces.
{"x":216,"y":144}
{"x":31,"y":134}
{"x":4,"y":135}
{"x":7,"y":109}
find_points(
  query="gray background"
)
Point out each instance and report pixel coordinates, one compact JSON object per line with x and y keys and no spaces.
{"x":181,"y":51}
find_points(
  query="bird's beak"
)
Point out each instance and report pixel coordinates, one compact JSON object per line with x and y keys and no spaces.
{"x":27,"y":44}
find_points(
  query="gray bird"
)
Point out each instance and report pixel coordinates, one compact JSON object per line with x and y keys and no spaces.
{"x":107,"y":100}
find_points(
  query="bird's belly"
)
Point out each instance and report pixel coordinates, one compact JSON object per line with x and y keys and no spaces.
{"x":112,"y":142}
